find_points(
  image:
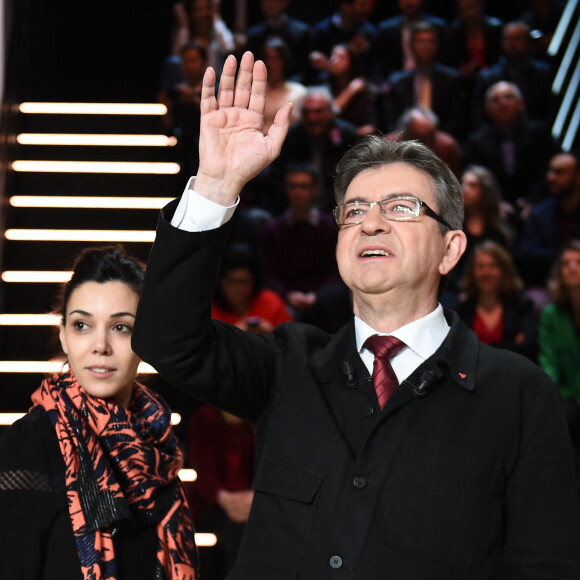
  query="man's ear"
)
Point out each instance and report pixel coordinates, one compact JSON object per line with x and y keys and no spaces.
{"x":62,"y":339}
{"x":455,"y":244}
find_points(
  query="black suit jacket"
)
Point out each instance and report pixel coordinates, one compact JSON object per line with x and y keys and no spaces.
{"x":389,"y":43}
{"x":448,"y":102}
{"x":465,"y":474}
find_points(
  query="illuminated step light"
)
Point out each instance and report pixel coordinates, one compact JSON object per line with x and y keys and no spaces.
{"x":184,"y":474}
{"x":34,"y":276}
{"x":89,"y":202}
{"x":9,"y":418}
{"x":92,"y":108}
{"x":29,"y":320}
{"x":187,"y":474}
{"x":52,"y":366}
{"x":133,"y":167}
{"x":205,"y":539}
{"x":96,"y":139}
{"x":80,"y":235}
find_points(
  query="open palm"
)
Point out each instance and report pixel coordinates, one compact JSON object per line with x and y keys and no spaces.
{"x":233,"y":147}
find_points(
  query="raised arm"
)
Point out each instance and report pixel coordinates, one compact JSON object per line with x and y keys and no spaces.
{"x":233,"y":148}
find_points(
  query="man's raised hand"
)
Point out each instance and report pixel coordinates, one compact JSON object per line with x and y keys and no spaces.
{"x":232,"y":146}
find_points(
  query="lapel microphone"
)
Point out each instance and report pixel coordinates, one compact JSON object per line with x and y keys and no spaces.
{"x":349,"y":373}
{"x":427,"y":379}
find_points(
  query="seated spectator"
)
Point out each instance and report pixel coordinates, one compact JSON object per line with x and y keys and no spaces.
{"x":183,"y":112}
{"x":355,"y":97}
{"x":472,"y":41}
{"x":200,"y":21}
{"x":542,"y":17}
{"x":348,"y":25}
{"x":300,"y":245}
{"x":394,"y":37}
{"x":277,"y":22}
{"x":428,"y":84}
{"x":514,"y":148}
{"x":318,"y":137}
{"x":483,"y":220}
{"x":421,"y":124}
{"x":495,"y":306}
{"x":241,"y":299}
{"x":280,"y":90}
{"x":221,"y":449}
{"x":516,"y":65}
{"x":560,"y":336}
{"x":483,"y":209}
{"x":552,"y":222}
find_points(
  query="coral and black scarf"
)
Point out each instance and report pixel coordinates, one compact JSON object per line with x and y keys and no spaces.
{"x":117,"y":462}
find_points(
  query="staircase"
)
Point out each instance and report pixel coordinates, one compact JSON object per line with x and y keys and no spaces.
{"x":82,"y":175}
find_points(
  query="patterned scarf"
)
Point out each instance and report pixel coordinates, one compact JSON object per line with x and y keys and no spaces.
{"x":117,"y":462}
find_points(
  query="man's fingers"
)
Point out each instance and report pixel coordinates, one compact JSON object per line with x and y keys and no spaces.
{"x":225,"y":96}
{"x":279,"y":128}
{"x":244,"y":81}
{"x":258,"y":94}
{"x":208,"y":102}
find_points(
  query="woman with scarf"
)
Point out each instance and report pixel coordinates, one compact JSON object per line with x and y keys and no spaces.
{"x":89,"y":485}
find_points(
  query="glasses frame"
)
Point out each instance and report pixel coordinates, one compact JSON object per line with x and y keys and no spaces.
{"x":428,"y":211}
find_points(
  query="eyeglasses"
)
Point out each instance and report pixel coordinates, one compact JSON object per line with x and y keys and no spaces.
{"x":400,"y":208}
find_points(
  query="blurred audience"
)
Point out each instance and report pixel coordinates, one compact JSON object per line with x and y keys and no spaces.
{"x":516,"y":65}
{"x":513,"y":147}
{"x":354,"y":97}
{"x":318,"y":137}
{"x":221,"y":449}
{"x":495,"y":305}
{"x":241,"y":298}
{"x":183,"y":112}
{"x":280,"y":90}
{"x":428,"y":83}
{"x":560,"y":336}
{"x":277,"y":22}
{"x":349,"y":25}
{"x":553,"y":221}
{"x":394,"y":37}
{"x":300,"y":246}
{"x":472,"y":42}
{"x":421,"y":124}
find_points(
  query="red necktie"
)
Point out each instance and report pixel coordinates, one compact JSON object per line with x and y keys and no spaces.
{"x":384,"y":378}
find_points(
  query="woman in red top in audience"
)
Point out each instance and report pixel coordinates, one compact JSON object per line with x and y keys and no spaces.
{"x":495,"y":306}
{"x":240,"y":298}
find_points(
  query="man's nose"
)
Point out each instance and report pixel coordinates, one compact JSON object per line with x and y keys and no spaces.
{"x":375,"y":221}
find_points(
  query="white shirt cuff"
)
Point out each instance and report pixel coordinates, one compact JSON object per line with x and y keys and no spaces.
{"x":196,"y":213}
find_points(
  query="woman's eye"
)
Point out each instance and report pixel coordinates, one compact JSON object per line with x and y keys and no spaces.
{"x":122,"y":327}
{"x":79,"y":325}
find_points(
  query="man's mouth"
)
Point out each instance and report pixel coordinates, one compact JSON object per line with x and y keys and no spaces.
{"x":374,"y":253}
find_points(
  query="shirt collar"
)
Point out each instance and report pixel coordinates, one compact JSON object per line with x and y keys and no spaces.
{"x":423,"y":336}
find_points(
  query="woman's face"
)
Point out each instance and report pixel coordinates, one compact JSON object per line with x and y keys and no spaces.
{"x":97,"y":339}
{"x":237,"y":286}
{"x":274,"y":62}
{"x":339,"y":60}
{"x":471,"y":188}
{"x":571,"y":268}
{"x":487,"y":273}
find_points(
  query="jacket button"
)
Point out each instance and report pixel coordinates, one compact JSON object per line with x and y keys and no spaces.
{"x":359,"y":482}
{"x":335,"y":562}
{"x":368,"y":410}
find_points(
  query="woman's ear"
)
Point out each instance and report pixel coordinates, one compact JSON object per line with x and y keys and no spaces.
{"x":455,"y":244}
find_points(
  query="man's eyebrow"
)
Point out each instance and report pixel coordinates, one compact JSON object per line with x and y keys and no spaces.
{"x":390,"y":196}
